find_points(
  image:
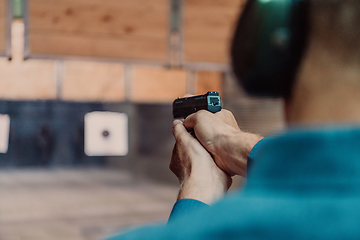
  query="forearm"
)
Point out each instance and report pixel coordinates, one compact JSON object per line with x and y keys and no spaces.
{"x":232,"y":151}
{"x":203,"y":189}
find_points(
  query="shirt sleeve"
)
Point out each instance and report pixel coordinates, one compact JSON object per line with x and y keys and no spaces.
{"x":255,"y":151}
{"x":185,"y":207}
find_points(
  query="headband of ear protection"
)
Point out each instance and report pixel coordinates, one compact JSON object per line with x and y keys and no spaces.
{"x":268,"y":45}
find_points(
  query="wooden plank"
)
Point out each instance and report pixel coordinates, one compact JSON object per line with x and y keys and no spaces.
{"x":73,"y":45}
{"x":214,"y":51}
{"x":208,"y":81}
{"x":157,"y":85}
{"x":30,"y":80}
{"x":93,"y":81}
{"x":208,"y":28}
{"x":3,"y":33}
{"x":100,"y":28}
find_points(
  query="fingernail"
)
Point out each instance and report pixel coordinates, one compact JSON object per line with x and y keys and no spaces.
{"x":176,"y":122}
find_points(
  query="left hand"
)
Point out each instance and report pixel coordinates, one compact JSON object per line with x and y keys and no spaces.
{"x":199,"y":176}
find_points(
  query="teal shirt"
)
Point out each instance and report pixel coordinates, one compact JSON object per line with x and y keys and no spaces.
{"x":303,"y":184}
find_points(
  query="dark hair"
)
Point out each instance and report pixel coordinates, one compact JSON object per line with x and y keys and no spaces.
{"x":336,"y":24}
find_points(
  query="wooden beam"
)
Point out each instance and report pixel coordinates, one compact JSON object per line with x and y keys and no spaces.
{"x":208,"y":28}
{"x":3,"y":33}
{"x":121,"y":29}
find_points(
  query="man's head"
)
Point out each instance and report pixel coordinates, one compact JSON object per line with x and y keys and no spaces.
{"x":325,"y":84}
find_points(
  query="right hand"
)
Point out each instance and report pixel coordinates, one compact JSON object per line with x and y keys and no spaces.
{"x":221,"y":136}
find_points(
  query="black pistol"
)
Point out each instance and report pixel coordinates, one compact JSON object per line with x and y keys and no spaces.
{"x":183,"y":107}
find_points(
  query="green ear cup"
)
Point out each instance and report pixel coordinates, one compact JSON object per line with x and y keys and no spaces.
{"x":268,"y":45}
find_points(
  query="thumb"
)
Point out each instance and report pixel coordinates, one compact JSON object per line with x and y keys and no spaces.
{"x":179,"y":131}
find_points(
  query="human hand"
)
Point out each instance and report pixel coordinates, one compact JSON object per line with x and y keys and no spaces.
{"x":220,"y":135}
{"x":199,"y":176}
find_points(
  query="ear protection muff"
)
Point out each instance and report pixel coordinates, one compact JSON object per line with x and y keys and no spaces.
{"x":268,"y":45}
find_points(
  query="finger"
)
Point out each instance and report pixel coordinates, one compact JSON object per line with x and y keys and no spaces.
{"x":177,"y":121}
{"x":227,"y":117}
{"x":179,"y":131}
{"x":224,"y":113}
{"x":191,"y":121}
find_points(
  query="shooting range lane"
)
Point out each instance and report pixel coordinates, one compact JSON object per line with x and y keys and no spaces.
{"x":77,"y":204}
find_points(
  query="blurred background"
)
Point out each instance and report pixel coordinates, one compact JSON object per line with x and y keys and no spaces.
{"x":86,"y":91}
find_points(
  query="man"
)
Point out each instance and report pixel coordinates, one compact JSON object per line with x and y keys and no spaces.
{"x":303,"y":183}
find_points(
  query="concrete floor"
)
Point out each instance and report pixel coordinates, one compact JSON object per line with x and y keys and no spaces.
{"x":77,"y":204}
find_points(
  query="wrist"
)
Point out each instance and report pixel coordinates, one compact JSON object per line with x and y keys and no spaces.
{"x":235,"y":152}
{"x":200,"y":190}
{"x":205,"y":185}
{"x":247,"y":142}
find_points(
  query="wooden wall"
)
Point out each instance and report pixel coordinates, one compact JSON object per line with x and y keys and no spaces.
{"x":74,"y":80}
{"x":2,"y":27}
{"x":92,"y":81}
{"x":208,"y":81}
{"x":122,"y":29}
{"x":131,"y":30}
{"x":207,"y":29}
